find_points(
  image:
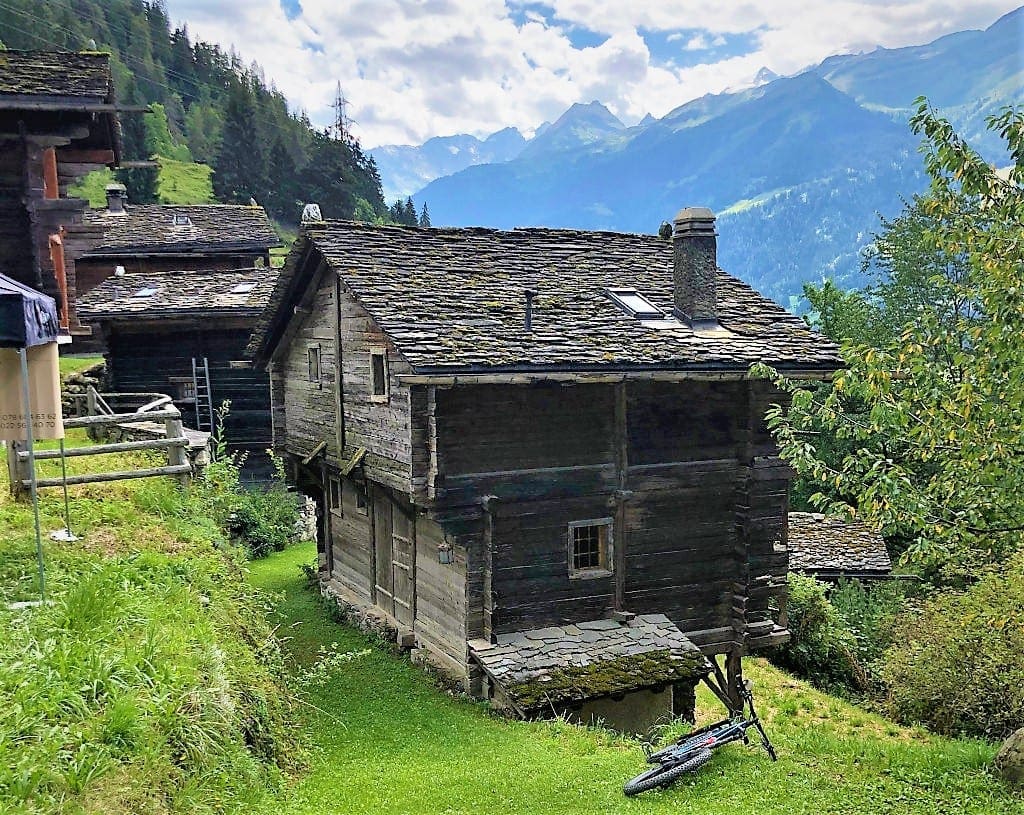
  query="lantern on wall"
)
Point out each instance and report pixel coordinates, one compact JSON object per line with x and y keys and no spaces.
{"x":445,"y":553}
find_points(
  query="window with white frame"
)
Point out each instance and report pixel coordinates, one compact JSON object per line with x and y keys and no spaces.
{"x":378,"y":375}
{"x":590,"y":547}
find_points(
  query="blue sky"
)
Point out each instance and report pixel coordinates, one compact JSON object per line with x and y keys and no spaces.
{"x":413,"y":69}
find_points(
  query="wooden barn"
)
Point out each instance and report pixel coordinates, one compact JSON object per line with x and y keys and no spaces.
{"x":142,"y":238}
{"x":538,"y":453}
{"x":58,"y":121}
{"x":159,"y":328}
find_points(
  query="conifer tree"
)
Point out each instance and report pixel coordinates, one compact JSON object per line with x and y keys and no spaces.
{"x":425,"y":215}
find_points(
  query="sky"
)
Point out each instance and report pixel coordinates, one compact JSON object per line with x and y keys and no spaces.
{"x":413,"y":69}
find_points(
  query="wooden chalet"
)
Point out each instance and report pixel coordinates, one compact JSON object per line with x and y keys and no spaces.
{"x":829,"y":548}
{"x":158,"y":327}
{"x":144,"y":238}
{"x":538,"y":453}
{"x":58,"y":121}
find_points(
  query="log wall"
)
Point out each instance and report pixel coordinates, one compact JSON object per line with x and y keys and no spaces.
{"x":152,"y":356}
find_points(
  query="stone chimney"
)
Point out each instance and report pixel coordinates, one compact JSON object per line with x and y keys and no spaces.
{"x":694,"y":266}
{"x":116,"y":196}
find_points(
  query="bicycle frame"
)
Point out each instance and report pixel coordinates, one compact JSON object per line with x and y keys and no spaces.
{"x":712,"y":736}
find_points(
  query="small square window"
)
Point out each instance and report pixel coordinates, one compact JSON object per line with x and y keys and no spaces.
{"x":313,"y":361}
{"x":379,"y":375}
{"x":181,"y":219}
{"x":590,"y":548}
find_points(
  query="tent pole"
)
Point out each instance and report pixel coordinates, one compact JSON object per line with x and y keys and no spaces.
{"x":29,"y":435}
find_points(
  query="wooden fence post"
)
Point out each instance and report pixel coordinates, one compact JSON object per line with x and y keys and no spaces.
{"x":16,"y":470}
{"x":91,"y":409}
{"x":177,"y":454}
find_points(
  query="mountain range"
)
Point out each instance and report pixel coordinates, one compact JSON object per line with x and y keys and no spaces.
{"x":797,"y":168}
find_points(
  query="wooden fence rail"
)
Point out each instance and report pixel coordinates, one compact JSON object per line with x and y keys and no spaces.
{"x":157,"y":408}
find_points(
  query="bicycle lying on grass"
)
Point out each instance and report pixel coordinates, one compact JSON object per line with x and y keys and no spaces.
{"x":694,"y":750}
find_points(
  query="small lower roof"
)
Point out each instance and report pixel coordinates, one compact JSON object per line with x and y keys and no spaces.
{"x":168,"y":294}
{"x":823,"y":544}
{"x":572,"y":663}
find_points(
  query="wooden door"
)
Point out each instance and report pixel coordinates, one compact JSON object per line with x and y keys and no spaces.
{"x":382,"y":547}
{"x":402,"y":567}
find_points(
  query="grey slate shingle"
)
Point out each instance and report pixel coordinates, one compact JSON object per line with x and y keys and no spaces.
{"x":85,"y":76}
{"x":571,"y":663}
{"x":177,"y":293}
{"x":150,"y":229}
{"x":453,"y":299}
{"x":824,"y":544}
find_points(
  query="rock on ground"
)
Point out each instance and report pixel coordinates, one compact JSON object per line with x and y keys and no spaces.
{"x":1009,"y":761}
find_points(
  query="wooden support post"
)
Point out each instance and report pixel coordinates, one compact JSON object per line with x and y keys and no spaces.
{"x":734,"y":679}
{"x":176,"y":455}
{"x":51,"y":190}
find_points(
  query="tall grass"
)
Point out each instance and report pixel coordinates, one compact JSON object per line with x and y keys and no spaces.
{"x":152,"y":682}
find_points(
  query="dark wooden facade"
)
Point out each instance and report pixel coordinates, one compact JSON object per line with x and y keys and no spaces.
{"x":150,"y":342}
{"x":449,"y":497}
{"x":58,"y":121}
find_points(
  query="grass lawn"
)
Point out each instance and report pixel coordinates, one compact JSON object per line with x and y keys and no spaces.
{"x":384,"y":739}
{"x":76,"y":363}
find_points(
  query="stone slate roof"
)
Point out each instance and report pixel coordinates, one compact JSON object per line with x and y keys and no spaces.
{"x":453,"y":299}
{"x":820,"y":544}
{"x":150,"y":229}
{"x":85,"y":76}
{"x":567,"y":664}
{"x":178,"y":293}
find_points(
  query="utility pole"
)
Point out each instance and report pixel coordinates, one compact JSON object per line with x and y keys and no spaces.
{"x":342,"y":123}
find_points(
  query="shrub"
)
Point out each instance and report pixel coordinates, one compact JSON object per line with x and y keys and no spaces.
{"x":870,"y":612}
{"x":822,"y":648}
{"x":957,"y":662}
{"x":263,"y":519}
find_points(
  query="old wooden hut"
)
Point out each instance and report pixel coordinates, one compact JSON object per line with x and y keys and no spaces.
{"x":142,"y":238}
{"x":159,"y":327}
{"x":538,"y":453}
{"x":58,"y":121}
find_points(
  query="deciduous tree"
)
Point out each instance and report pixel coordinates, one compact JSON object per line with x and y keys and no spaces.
{"x":936,"y":445}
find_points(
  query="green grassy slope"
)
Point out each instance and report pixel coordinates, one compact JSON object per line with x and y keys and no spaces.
{"x":178,"y":182}
{"x":386,"y":740}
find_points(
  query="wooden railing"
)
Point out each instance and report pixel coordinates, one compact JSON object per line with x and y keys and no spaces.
{"x":101,"y":416}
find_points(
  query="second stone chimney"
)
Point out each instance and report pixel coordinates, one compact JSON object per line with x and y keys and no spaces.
{"x":695,"y":266}
{"x":116,"y":195}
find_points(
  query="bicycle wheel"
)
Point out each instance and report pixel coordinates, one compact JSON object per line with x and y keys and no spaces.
{"x":665,"y":774}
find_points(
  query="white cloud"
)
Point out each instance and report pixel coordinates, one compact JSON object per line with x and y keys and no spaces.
{"x":412,"y":69}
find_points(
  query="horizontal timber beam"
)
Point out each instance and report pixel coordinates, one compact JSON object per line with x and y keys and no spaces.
{"x":588,"y":377}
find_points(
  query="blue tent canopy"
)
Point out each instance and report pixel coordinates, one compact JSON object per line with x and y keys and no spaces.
{"x":27,"y":317}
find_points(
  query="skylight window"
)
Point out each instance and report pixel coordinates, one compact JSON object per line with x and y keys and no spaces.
{"x":243,"y":288}
{"x":635,"y":304}
{"x":146,"y":291}
{"x":181,"y":219}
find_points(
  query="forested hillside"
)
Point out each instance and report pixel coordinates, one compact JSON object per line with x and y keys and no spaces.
{"x":207,"y":107}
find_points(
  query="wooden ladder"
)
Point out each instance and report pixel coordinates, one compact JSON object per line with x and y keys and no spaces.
{"x":203,"y":394}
